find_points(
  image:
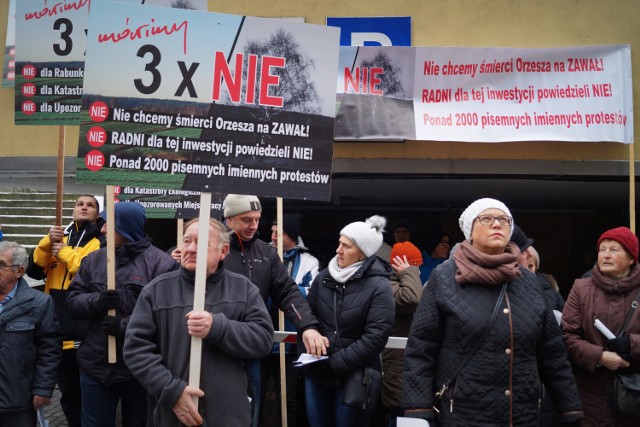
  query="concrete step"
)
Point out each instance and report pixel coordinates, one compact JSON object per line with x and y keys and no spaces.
{"x":43,"y":220}
{"x":27,"y":215}
{"x":27,"y":202}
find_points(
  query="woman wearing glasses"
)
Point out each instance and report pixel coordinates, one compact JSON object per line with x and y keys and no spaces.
{"x":482,"y":338}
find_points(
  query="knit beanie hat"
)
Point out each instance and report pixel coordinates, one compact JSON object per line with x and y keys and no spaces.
{"x":474,"y":209}
{"x":403,"y":223}
{"x":367,"y":236}
{"x":235,"y":204}
{"x":290,"y":225}
{"x":408,"y":249}
{"x":625,"y":237}
{"x":130,"y":219}
{"x":520,"y":239}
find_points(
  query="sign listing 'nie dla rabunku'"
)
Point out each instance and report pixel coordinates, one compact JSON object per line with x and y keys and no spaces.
{"x":51,"y":39}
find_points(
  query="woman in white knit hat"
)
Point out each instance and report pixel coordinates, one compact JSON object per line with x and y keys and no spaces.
{"x":352,"y":300}
{"x":482,"y":339}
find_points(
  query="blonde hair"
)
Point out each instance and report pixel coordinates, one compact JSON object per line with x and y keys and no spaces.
{"x":535,"y":256}
{"x":536,"y":260}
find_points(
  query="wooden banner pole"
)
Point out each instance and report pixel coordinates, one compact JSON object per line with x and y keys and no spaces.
{"x":632,"y":189}
{"x":283,"y":369}
{"x":180,"y":233}
{"x":60,"y":175}
{"x":111,"y":265}
{"x":200,"y":287}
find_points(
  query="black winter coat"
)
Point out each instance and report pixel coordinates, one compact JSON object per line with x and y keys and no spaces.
{"x":500,"y":385}
{"x":259,"y":262}
{"x":365,"y":312}
{"x":136,"y":265}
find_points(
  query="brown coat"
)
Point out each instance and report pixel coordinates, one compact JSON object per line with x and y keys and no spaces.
{"x":407,"y":291}
{"x":609,"y":300}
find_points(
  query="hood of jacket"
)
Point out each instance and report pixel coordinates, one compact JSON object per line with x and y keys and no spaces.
{"x":80,"y":235}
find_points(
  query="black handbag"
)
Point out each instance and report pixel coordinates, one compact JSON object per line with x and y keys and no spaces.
{"x":626,"y":387}
{"x":360,"y":388}
{"x":626,"y":394}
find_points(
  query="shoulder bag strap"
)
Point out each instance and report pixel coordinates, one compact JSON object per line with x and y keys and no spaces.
{"x":634,"y":305}
{"x":477,"y":344}
{"x":335,"y":317}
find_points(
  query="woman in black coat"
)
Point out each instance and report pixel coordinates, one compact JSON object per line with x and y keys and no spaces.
{"x":486,"y":372}
{"x":352,"y":300}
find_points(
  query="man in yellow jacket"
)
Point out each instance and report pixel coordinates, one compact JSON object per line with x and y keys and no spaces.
{"x":57,"y":258}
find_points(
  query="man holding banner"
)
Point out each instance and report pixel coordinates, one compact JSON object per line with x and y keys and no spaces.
{"x":256,"y":260}
{"x":137,"y":262}
{"x":57,"y":258}
{"x":235,"y":325}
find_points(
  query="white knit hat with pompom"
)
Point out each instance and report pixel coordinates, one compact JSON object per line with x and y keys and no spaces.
{"x":367,"y":236}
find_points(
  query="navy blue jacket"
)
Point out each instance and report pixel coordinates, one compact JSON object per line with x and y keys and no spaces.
{"x":136,"y":265}
{"x":30,"y":348}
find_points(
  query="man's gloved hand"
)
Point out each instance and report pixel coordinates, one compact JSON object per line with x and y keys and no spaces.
{"x":109,"y":298}
{"x":111,"y":324}
{"x":621,"y":345}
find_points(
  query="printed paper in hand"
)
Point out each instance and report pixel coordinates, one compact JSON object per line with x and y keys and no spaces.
{"x":306,"y":358}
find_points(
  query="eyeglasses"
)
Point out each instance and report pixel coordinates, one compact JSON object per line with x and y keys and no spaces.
{"x":3,"y":265}
{"x":488,"y":220}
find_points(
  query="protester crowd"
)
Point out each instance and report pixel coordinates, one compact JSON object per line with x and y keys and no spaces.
{"x":490,"y":340}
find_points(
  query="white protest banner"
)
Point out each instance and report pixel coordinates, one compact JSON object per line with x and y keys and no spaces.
{"x":504,"y":94}
{"x":208,"y":102}
{"x":485,"y":94}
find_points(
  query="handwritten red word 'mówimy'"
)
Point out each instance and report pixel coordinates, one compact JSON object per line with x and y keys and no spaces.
{"x":57,"y":9}
{"x":147,"y":31}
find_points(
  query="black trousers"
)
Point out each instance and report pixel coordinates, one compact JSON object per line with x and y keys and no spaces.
{"x":69,"y":385}
{"x":24,"y":418}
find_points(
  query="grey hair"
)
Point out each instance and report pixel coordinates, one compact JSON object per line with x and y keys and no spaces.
{"x":224,"y":235}
{"x":535,"y":256}
{"x":19,"y":257}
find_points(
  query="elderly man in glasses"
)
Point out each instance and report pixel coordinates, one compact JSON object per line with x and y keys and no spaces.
{"x":30,"y":342}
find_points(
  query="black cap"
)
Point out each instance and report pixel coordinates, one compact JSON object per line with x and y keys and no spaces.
{"x":403,"y":223}
{"x":290,"y":225}
{"x":519,"y":238}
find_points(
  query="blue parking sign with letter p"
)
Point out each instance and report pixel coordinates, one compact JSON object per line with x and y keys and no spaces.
{"x":373,"y":31}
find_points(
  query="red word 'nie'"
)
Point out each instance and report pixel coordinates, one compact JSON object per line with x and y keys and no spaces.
{"x":222,"y":75}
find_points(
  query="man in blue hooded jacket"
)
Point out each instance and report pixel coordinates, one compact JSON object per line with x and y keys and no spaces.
{"x":138,"y":262}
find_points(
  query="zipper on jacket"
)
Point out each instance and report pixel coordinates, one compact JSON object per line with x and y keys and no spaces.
{"x":244,"y":260}
{"x":451,"y":391}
